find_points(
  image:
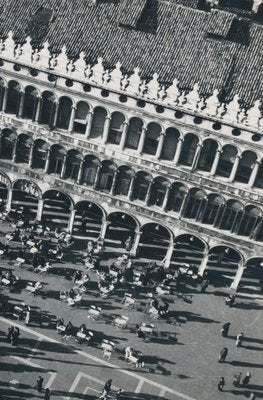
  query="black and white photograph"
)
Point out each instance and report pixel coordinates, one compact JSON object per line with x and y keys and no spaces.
{"x":131,"y":199}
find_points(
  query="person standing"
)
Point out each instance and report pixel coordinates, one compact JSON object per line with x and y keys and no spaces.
{"x":225,"y":329}
{"x":10,"y":333}
{"x":221,"y":384}
{"x":252,"y":396}
{"x":40,"y":383}
{"x":246,"y":379}
{"x":204,"y":285}
{"x":47,"y":394}
{"x":28,"y":316}
{"x":15,"y":335}
{"x":239,"y":339}
{"x":237,"y":379}
{"x":222,"y":355}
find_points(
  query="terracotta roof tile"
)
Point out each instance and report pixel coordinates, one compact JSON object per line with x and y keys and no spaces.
{"x":179,"y":48}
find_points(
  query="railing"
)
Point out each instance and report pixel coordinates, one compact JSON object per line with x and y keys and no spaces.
{"x":152,"y":165}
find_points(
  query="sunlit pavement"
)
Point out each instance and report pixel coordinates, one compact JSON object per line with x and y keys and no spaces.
{"x":187,"y":369}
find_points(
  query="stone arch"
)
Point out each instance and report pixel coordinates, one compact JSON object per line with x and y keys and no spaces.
{"x":178,"y":193}
{"x":8,"y":143}
{"x":90,"y":170}
{"x":195,"y":203}
{"x":207,"y":155}
{"x":30,"y":102}
{"x":154,"y":241}
{"x":25,"y":194}
{"x":226,"y":160}
{"x":231,"y":213}
{"x":259,"y":178}
{"x":57,"y":208}
{"x":134,"y":133}
{"x":152,"y":135}
{"x":73,"y":161}
{"x":13,"y":97}
{"x":40,"y":154}
{"x":159,"y":188}
{"x":251,"y":283}
{"x":188,"y":151}
{"x":222,"y":265}
{"x":124,"y":180}
{"x":188,"y":249}
{"x":23,"y":148}
{"x":81,"y":117}
{"x":141,"y":185}
{"x":249,"y":219}
{"x":56,"y":159}
{"x":116,"y":127}
{"x":88,"y":219}
{"x":64,"y":112}
{"x":47,"y":111}
{"x":213,"y":208}
{"x":172,"y":136}
{"x":106,"y":174}
{"x":98,"y":122}
{"x":121,"y":227}
{"x":245,"y":166}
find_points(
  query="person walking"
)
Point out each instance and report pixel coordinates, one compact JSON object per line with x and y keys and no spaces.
{"x":204,"y":285}
{"x":15,"y":335}
{"x":237,"y":379}
{"x":10,"y":333}
{"x":47,"y":394}
{"x":225,"y":329}
{"x":222,"y":355}
{"x":246,"y":379}
{"x":252,"y":396}
{"x":221,"y":384}
{"x":106,"y":389}
{"x":239,"y":339}
{"x":40,"y":383}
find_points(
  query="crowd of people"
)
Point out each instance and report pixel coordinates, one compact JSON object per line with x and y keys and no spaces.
{"x":40,"y":246}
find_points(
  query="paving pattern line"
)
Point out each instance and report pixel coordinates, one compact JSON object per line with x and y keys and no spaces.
{"x":98,"y":360}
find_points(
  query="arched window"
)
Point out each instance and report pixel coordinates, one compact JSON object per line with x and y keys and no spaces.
{"x":134,"y":133}
{"x":158,"y":191}
{"x":170,"y":143}
{"x":259,"y":178}
{"x":250,"y":218}
{"x":212,"y":209}
{"x":226,"y":161}
{"x":116,"y":128}
{"x":72,"y":165}
{"x":188,"y":149}
{"x":24,"y":143}
{"x":123,"y":180}
{"x":90,"y":168}
{"x":141,"y":185}
{"x":13,"y":97}
{"x":245,"y":166}
{"x":230,"y":215}
{"x":151,"y":138}
{"x":195,"y":202}
{"x":207,"y":155}
{"x":47,"y":108}
{"x":177,"y":194}
{"x":106,"y":176}
{"x":57,"y":159}
{"x":8,"y":139}
{"x":64,"y":112}
{"x":98,"y":122}
{"x":40,"y":153}
{"x":30,"y":102}
{"x":81,"y":116}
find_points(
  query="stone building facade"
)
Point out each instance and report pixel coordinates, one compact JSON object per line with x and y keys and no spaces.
{"x":165,"y":165}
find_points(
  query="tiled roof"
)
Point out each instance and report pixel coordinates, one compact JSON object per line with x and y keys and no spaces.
{"x":179,"y":48}
{"x":130,"y":12}
{"x":219,"y":22}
